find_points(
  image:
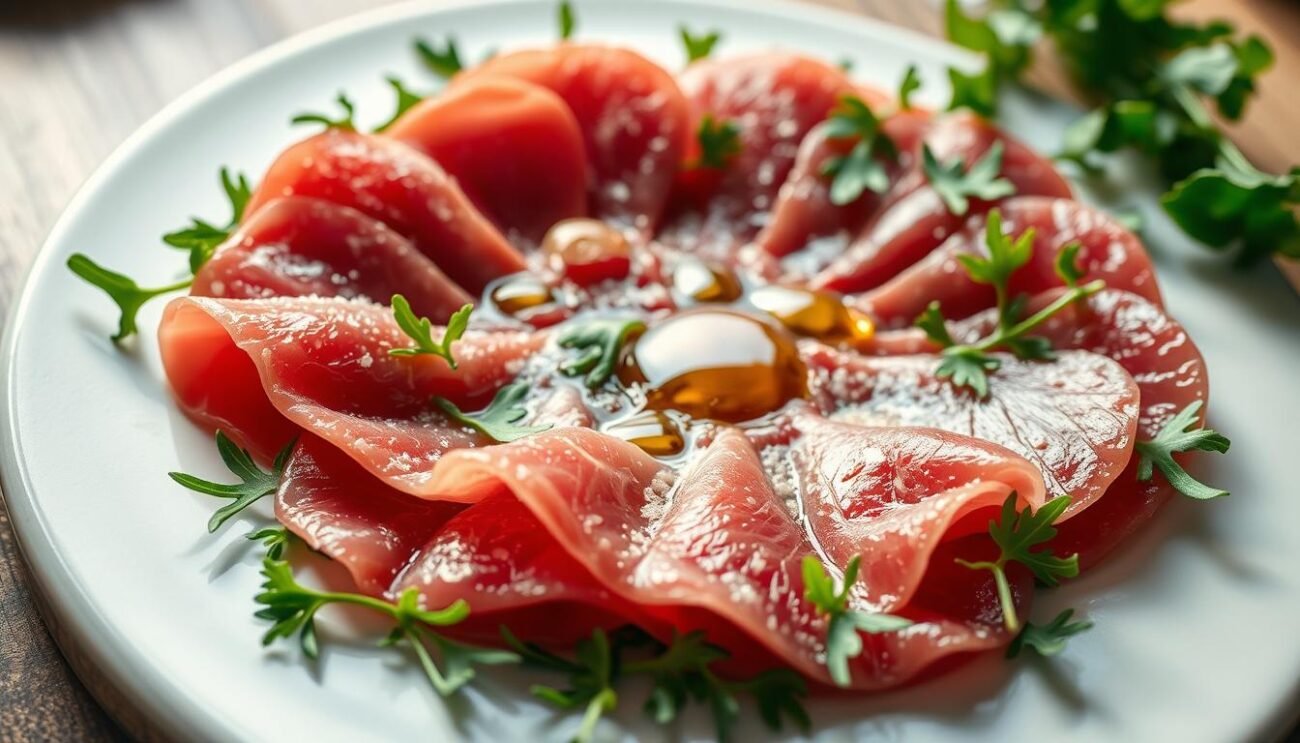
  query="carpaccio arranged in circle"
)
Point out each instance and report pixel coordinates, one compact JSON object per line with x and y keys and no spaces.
{"x":693,"y":360}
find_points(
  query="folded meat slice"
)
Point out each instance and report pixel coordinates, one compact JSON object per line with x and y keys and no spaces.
{"x":262,"y":370}
{"x":633,"y":117}
{"x":805,"y":224}
{"x":298,"y":246}
{"x":1108,"y":251}
{"x":491,"y":554}
{"x":914,"y":220}
{"x":774,"y":99}
{"x":514,"y":148}
{"x":1164,"y":363}
{"x":401,"y":187}
{"x":1074,"y":418}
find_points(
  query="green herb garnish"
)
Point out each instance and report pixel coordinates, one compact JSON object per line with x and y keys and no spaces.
{"x":567,"y":21}
{"x":861,"y":169}
{"x":1155,"y":78}
{"x":346,"y":122}
{"x":968,"y":365}
{"x":842,"y":624}
{"x":698,"y":47}
{"x":255,"y":482}
{"x":601,"y":342}
{"x":680,"y":672}
{"x":719,"y":142}
{"x":497,"y":420}
{"x":292,"y":609}
{"x":128,"y":295}
{"x":445,"y":62}
{"x":1048,"y":639}
{"x":275,"y":539}
{"x":406,"y":100}
{"x":955,"y":184}
{"x":201,"y":238}
{"x":1016,"y":535}
{"x":910,"y":84}
{"x":1178,"y":436}
{"x":420,"y":329}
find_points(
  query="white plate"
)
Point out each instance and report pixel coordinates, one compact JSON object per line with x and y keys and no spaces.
{"x":1195,"y":639}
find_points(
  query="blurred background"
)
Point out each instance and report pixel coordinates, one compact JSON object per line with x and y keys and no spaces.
{"x":78,"y":76}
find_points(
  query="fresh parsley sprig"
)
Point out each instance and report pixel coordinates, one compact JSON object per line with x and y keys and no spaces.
{"x":955,"y":183}
{"x":1178,"y":435}
{"x":698,"y":46}
{"x":843,"y":642}
{"x":125,"y":293}
{"x":292,"y":608}
{"x":201,"y":238}
{"x":255,"y":482}
{"x":1016,"y":535}
{"x":719,"y":142}
{"x":860,"y":170}
{"x":1048,"y":639}
{"x":910,"y":83}
{"x":567,"y":21}
{"x":444,"y":62}
{"x":496,"y":421}
{"x":406,"y":100}
{"x":969,"y":364}
{"x":345,"y":122}
{"x":420,"y":329}
{"x":601,"y":343}
{"x":680,"y":672}
{"x":275,"y":540}
{"x":1155,"y":79}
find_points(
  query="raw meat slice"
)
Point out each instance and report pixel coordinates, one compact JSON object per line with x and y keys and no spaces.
{"x":915,"y":220}
{"x":401,"y":187}
{"x":775,"y":99}
{"x":255,"y":368}
{"x":298,"y":246}
{"x":1166,"y":366}
{"x":1073,"y":417}
{"x":1108,"y":251}
{"x":514,"y":148}
{"x":634,"y":120}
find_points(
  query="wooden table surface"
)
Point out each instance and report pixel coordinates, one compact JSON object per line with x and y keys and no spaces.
{"x":78,"y":76}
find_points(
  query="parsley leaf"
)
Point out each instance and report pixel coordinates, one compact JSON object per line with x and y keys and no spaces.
{"x":292,"y":608}
{"x":977,"y":91}
{"x":719,"y":142}
{"x":255,"y":482}
{"x":1016,"y":535}
{"x":910,"y":84}
{"x":1238,"y":205}
{"x":567,"y":21}
{"x":497,"y":420}
{"x":968,"y":365}
{"x":125,"y":293}
{"x":346,"y":122}
{"x":842,"y":624}
{"x":601,"y":342}
{"x":591,"y":673}
{"x":861,"y":169}
{"x":1178,"y":435}
{"x":201,"y":238}
{"x":955,"y":183}
{"x":698,"y":47}
{"x":1048,"y":639}
{"x":421,"y":331}
{"x":445,"y":62}
{"x":406,"y":100}
{"x":1006,"y":35}
{"x":274,"y":538}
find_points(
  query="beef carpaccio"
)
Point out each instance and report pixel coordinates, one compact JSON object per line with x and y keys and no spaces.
{"x":692,"y":361}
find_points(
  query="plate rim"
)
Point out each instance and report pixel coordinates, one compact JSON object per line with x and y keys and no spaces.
{"x":102,"y":655}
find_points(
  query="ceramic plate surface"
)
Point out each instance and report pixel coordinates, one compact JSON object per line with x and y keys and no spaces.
{"x":1195,"y":636}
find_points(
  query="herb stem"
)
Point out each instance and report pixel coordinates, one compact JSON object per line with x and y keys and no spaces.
{"x":602,"y":702}
{"x":1040,"y":317}
{"x":1009,"y":617}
